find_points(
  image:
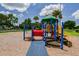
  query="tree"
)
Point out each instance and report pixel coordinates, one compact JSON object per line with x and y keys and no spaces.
{"x":38,"y":26}
{"x":27,"y":22}
{"x":21,"y":26}
{"x":58,"y":15}
{"x":69,"y":24}
{"x":13,"y":19}
{"x":7,"y":21}
{"x":77,"y":27}
{"x":3,"y":21}
{"x":36,"y":18}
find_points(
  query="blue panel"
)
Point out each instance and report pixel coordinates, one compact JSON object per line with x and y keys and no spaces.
{"x":37,"y":48}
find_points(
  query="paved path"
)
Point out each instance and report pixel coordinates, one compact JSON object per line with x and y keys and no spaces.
{"x":37,"y":48}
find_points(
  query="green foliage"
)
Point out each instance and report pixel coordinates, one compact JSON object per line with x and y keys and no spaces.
{"x":57,"y":13}
{"x":36,"y":18}
{"x":77,"y":27}
{"x":27,"y":22}
{"x":7,"y":21}
{"x":37,"y":25}
{"x":13,"y":19}
{"x":69,"y":24}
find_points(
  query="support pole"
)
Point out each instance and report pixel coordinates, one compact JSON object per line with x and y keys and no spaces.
{"x":32,"y":36}
{"x":32,"y":39}
{"x":44,"y":34}
{"x":42,"y":25}
{"x":24,"y":33}
{"x":55,"y":32}
{"x":51,"y":26}
{"x":62,"y":36}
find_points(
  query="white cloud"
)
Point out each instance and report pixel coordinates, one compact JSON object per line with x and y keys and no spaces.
{"x":76,"y":14}
{"x":20,"y":7}
{"x":21,"y":18}
{"x":20,"y":15}
{"x":47,"y":10}
{"x":3,"y":12}
{"x":7,"y":12}
{"x":34,"y":4}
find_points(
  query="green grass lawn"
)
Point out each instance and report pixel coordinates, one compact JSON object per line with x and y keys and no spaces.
{"x":9,"y":31}
{"x":2,"y":32}
{"x":66,"y":31}
{"x":71,"y":32}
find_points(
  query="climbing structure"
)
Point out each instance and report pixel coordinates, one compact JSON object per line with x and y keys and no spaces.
{"x":53,"y":31}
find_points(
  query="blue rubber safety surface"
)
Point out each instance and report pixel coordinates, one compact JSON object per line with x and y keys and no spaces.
{"x":37,"y":48}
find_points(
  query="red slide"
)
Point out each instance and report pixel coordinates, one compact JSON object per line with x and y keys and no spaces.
{"x":38,"y":32}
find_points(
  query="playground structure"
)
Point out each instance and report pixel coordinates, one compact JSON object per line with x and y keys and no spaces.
{"x":53,"y":33}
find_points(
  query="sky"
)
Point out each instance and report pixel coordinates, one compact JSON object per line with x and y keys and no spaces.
{"x":70,"y":11}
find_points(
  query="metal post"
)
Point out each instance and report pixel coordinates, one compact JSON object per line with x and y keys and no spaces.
{"x":44,"y":34}
{"x":45,"y":38}
{"x":55,"y":32}
{"x":24,"y":33}
{"x":62,"y":36}
{"x":44,"y":26}
{"x":32,"y":34}
{"x":51,"y":25}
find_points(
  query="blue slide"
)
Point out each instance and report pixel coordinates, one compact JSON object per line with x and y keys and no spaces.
{"x":37,"y":48}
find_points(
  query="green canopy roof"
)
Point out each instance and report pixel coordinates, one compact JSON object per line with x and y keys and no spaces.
{"x":49,"y":18}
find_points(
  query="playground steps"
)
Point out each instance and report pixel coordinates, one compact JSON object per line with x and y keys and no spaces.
{"x":53,"y":44}
{"x":49,"y":38}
